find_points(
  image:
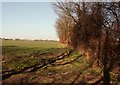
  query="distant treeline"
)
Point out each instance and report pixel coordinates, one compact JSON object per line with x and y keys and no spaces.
{"x":27,"y":39}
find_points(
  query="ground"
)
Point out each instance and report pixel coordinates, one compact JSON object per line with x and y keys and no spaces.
{"x":37,"y":62}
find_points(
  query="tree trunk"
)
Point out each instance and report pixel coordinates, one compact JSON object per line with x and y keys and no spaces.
{"x":106,"y":71}
{"x":99,"y":47}
{"x":106,"y":77}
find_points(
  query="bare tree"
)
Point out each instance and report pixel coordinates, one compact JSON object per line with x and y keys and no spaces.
{"x":95,"y":27}
{"x":64,"y":26}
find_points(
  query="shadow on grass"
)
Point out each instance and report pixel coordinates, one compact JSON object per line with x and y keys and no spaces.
{"x":33,"y":68}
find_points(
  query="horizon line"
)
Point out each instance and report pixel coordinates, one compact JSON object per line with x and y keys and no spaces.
{"x":27,"y":39}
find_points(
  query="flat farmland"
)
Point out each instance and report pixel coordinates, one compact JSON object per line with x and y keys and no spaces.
{"x":37,"y":62}
{"x":20,"y":47}
{"x":29,"y":43}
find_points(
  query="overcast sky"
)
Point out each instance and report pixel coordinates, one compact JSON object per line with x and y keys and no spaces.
{"x":29,"y":20}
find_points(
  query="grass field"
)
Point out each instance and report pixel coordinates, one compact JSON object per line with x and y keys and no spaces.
{"x":31,"y":44}
{"x":19,"y":47}
{"x":22,"y":52}
{"x":39,"y":62}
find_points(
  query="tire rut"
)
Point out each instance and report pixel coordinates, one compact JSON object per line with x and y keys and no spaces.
{"x":33,"y":68}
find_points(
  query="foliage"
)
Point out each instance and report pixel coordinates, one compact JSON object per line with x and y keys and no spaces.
{"x":95,"y":30}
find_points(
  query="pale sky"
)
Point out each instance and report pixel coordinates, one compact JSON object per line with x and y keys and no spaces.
{"x":29,"y":20}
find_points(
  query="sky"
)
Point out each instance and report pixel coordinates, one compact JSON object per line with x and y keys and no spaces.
{"x":28,"y":20}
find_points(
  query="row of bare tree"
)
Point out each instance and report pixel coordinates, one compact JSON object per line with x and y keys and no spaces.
{"x":92,"y":28}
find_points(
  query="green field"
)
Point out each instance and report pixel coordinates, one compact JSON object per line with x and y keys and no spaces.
{"x":19,"y":47}
{"x":22,"y":52}
{"x":39,"y":62}
{"x":31,"y":44}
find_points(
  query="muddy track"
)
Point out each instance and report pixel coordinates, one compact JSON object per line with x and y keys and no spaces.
{"x":33,"y":68}
{"x":68,"y":62}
